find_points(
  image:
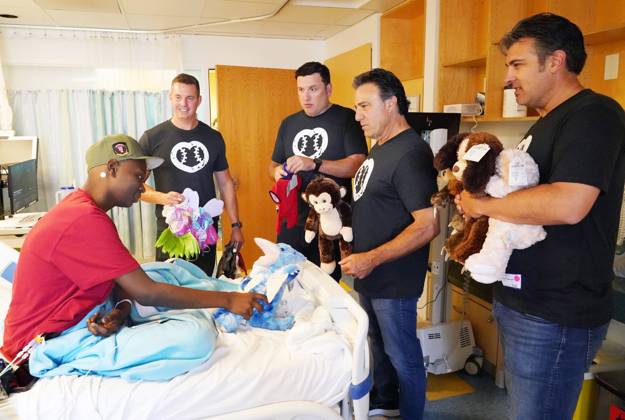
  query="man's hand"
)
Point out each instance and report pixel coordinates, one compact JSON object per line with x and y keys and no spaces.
{"x":172,"y":198}
{"x":469,"y":205}
{"x":358,"y":265}
{"x":107,"y":325}
{"x":296,"y":164}
{"x":244,"y":303}
{"x":237,"y":237}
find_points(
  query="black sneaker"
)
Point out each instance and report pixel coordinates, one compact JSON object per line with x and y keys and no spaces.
{"x":386,"y":411}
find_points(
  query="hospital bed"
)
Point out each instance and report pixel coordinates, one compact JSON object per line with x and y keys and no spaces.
{"x":252,"y":374}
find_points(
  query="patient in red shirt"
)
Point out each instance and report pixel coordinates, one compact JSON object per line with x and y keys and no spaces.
{"x":73,"y":259}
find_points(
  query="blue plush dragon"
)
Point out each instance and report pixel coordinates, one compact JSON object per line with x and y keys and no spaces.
{"x":271,"y":275}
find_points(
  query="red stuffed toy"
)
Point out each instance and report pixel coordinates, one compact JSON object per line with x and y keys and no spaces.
{"x":285,"y":193}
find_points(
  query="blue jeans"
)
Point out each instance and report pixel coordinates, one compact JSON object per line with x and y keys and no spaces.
{"x":398,"y":371}
{"x":544,"y":363}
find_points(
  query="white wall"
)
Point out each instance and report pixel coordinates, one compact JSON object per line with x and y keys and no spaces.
{"x":365,"y":31}
{"x":199,"y":51}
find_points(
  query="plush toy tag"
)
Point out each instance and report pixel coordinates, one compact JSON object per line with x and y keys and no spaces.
{"x":517,"y":176}
{"x":477,"y":152}
{"x":292,"y":184}
{"x":512,"y":280}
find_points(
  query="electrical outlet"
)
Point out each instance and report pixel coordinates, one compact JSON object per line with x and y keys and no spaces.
{"x":611,"y":67}
{"x":436,"y":267}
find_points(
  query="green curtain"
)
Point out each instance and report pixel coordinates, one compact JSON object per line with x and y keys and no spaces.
{"x":67,"y":122}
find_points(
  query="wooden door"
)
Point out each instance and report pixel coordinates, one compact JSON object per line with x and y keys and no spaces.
{"x":251,"y":104}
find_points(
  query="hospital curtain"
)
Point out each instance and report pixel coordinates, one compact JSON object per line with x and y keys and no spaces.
{"x":68,"y":122}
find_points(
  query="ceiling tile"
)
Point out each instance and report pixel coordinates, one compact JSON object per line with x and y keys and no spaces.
{"x":293,"y":21}
{"x":191,"y":8}
{"x":156,"y":23}
{"x":276,"y":2}
{"x":28,"y":15}
{"x":381,"y":5}
{"x":267,"y":29}
{"x":330,"y":31}
{"x":88,"y":20}
{"x":236,"y":9}
{"x":304,"y":14}
{"x":353,"y":17}
{"x":104,"y":6}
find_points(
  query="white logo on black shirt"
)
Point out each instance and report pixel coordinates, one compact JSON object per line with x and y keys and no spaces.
{"x":310,"y":143}
{"x":525,"y":143}
{"x":362,"y":178}
{"x":189,"y":156}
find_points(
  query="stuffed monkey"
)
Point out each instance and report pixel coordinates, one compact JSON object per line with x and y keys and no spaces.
{"x":329,"y":216}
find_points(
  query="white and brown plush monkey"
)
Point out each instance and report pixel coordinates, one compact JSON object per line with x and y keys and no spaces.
{"x":329,"y":216}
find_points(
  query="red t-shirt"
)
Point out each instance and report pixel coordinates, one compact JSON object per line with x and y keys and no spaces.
{"x":66,"y":267}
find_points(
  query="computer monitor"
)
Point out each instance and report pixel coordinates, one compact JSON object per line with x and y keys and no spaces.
{"x":22,"y":184}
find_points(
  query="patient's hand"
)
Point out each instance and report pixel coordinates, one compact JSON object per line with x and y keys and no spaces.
{"x":245,"y":303}
{"x":108,"y":324}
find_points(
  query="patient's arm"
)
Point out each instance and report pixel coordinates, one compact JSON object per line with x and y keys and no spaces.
{"x":150,"y":293}
{"x":115,"y":319}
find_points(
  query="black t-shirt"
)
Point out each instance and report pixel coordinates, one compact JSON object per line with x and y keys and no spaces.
{"x":397,"y":178}
{"x":333,"y":135}
{"x":567,"y":278}
{"x":191,"y":157}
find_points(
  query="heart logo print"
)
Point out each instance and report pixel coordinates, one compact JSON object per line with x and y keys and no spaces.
{"x":310,"y":143}
{"x":362,"y":178}
{"x":189,"y":157}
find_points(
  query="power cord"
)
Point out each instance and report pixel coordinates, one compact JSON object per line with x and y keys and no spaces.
{"x":435,"y":297}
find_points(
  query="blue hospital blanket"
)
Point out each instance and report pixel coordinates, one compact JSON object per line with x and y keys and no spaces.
{"x":156,"y":348}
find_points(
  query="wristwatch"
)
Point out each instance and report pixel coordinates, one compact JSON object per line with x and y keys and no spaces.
{"x":318,"y":163}
{"x":237,"y":225}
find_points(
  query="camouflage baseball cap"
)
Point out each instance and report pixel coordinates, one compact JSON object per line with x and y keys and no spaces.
{"x":119,"y":147}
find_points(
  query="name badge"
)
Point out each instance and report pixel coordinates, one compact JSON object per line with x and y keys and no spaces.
{"x":512,"y":280}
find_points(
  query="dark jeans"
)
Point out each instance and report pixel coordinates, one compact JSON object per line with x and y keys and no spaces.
{"x":544,"y":363}
{"x":205,"y":260}
{"x":398,"y":370}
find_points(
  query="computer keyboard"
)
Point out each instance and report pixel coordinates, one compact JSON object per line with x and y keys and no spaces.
{"x":29,"y":219}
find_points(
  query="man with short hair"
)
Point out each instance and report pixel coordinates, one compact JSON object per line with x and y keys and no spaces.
{"x":193,"y":152}
{"x":321,"y":139}
{"x":73,"y":264}
{"x":393,"y":224}
{"x":554,"y":319}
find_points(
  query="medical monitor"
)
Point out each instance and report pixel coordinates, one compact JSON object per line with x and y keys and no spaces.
{"x":22,"y":184}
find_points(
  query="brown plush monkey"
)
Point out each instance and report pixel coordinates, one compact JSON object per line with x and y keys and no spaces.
{"x":329,"y":216}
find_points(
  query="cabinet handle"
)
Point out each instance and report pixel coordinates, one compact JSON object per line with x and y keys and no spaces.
{"x":490,"y":319}
{"x":458,"y":309}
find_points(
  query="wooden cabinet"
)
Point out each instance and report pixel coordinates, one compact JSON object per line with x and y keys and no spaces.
{"x":402,"y":44}
{"x":470,"y":60}
{"x":482,"y":322}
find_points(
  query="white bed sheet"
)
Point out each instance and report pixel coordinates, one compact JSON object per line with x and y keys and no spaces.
{"x":248,"y":369}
